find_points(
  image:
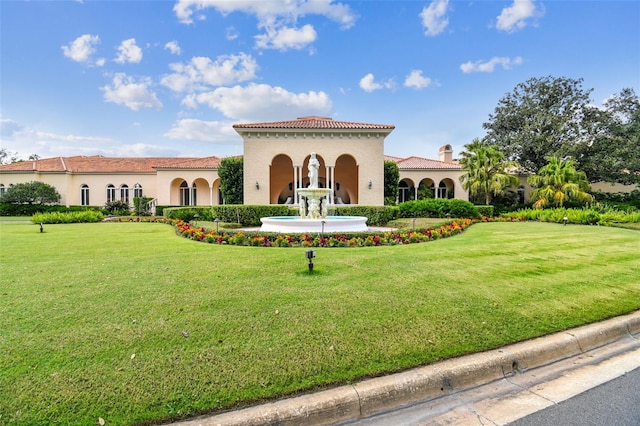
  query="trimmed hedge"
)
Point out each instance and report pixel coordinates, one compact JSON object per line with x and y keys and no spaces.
{"x":438,"y":207}
{"x":376,"y":215}
{"x":9,"y":209}
{"x":85,"y":216}
{"x":487,"y":211}
{"x":250,"y":215}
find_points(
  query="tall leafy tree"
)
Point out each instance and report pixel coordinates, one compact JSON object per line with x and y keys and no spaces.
{"x":231,"y":175}
{"x":613,"y":153}
{"x":486,"y":170}
{"x":557,"y":183}
{"x":31,"y":193}
{"x":542,"y":117}
{"x":391,"y":180}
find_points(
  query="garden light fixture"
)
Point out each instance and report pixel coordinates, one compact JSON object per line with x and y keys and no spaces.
{"x":310,"y":255}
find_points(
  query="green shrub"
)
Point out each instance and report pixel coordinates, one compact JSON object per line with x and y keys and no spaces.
{"x":68,"y":217}
{"x":140,"y":206}
{"x":583,"y":216}
{"x":438,"y":207}
{"x":188,"y":213}
{"x":249,"y":215}
{"x":487,"y":211}
{"x":376,"y":215}
{"x":117,"y":208}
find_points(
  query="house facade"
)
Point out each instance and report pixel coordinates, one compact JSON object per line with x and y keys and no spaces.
{"x":276,"y":157}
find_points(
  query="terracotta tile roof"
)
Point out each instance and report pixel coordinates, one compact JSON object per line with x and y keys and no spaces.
{"x":315,"y":122}
{"x":414,"y":162}
{"x":99,"y":164}
{"x":193,"y":163}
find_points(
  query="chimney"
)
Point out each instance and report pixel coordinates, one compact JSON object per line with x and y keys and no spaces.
{"x":445,"y":154}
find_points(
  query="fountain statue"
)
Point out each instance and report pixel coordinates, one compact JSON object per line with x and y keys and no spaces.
{"x":312,"y":209}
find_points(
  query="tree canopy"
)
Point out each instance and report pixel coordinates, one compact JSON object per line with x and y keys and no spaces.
{"x":31,"y":193}
{"x":391,"y":178}
{"x":555,"y":117}
{"x":613,"y":153}
{"x":486,"y":170}
{"x":542,"y":117}
{"x":231,"y":175}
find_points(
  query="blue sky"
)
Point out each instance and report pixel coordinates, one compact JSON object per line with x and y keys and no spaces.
{"x":169,"y":78}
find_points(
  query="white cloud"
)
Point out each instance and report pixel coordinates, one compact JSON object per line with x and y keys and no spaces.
{"x":173,"y":47}
{"x":490,"y":65}
{"x":231,"y":33}
{"x":268,"y":10}
{"x":134,"y":95}
{"x":24,"y":140}
{"x":433,"y":17}
{"x":286,"y":38}
{"x":514,"y":17}
{"x":201,"y":72}
{"x":417,"y":80}
{"x":82,"y":49}
{"x":199,"y":130}
{"x":276,"y":17}
{"x":259,"y":102}
{"x":368,"y":84}
{"x":128,"y":51}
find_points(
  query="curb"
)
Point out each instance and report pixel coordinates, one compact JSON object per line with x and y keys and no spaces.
{"x":381,"y":394}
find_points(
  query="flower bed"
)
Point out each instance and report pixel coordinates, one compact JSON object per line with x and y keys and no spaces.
{"x":358,"y":239}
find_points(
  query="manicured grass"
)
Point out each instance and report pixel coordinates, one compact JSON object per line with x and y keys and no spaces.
{"x":130,"y":323}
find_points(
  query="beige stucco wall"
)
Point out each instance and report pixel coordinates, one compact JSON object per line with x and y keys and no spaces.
{"x":366,"y":149}
{"x":617,"y":187}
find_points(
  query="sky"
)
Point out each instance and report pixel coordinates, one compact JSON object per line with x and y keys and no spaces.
{"x":169,"y":78}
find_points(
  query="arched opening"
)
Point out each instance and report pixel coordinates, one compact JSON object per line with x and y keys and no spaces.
{"x":425,"y":189}
{"x":281,"y":188}
{"x":406,"y":190}
{"x":200,"y":192}
{"x":445,"y":189}
{"x":346,"y":179}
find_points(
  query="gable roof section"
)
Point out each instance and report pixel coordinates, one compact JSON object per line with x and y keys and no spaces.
{"x":313,"y":123}
{"x":99,"y":164}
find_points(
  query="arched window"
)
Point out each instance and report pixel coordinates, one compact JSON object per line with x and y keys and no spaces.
{"x":124,"y":193}
{"x":442,"y":190}
{"x":403,"y":192}
{"x":184,"y":194}
{"x":137,"y":191}
{"x":84,"y":195}
{"x":194,"y":195}
{"x":2,"y":189}
{"x":111,"y":193}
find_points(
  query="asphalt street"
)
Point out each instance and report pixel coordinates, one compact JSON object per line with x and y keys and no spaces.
{"x":615,"y":403}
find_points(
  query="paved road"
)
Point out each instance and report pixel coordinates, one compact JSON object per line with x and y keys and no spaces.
{"x":615,"y":403}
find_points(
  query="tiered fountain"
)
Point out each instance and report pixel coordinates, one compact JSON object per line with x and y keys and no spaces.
{"x":313,"y":211}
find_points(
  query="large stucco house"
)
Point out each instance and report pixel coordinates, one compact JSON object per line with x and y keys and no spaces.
{"x":276,"y":156}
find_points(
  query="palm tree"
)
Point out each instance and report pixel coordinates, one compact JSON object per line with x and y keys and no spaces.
{"x":485,"y":169}
{"x":557,"y":183}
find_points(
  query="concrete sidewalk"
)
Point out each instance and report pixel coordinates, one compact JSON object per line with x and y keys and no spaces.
{"x":368,"y":398}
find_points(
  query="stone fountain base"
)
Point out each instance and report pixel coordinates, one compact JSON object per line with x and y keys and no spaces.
{"x":329,"y":224}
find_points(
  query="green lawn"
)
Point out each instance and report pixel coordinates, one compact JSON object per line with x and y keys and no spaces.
{"x":130,"y":323}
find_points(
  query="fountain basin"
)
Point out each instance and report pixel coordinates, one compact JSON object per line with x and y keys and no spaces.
{"x":297,"y":225}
